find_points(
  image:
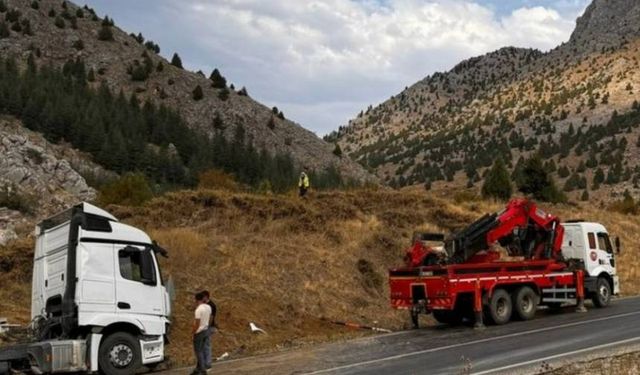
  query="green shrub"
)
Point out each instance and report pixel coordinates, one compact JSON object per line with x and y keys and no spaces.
{"x":131,"y":189}
{"x":14,"y":200}
{"x":59,"y":22}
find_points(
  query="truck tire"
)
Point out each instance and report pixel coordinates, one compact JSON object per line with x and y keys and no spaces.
{"x":602,"y":295}
{"x":451,"y":317}
{"x":500,"y":307}
{"x":525,"y":303}
{"x":119,"y":354}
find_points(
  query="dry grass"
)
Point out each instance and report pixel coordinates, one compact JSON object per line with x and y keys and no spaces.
{"x":285,"y":263}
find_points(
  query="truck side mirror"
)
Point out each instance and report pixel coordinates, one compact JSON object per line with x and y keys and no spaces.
{"x":617,"y":245}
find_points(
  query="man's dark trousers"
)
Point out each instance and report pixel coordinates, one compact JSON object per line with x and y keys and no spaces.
{"x":199,"y":349}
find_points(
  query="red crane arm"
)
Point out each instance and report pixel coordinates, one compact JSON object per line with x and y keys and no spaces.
{"x":520,"y":214}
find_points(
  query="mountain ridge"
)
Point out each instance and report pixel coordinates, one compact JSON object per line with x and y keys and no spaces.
{"x":448,"y":128}
{"x":59,"y":35}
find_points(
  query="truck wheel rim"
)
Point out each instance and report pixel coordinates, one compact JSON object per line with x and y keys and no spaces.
{"x":526,"y":304}
{"x":501,"y":307}
{"x":604,"y":292}
{"x":121,"y":355}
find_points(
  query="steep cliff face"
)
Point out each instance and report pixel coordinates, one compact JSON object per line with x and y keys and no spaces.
{"x":38,"y":178}
{"x":606,"y":24}
{"x":60,"y":31}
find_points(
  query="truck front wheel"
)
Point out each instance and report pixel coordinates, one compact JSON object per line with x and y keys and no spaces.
{"x":500,"y":307}
{"x":119,"y":354}
{"x":602,"y":295}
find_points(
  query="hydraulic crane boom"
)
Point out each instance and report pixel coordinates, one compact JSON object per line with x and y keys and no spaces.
{"x":521,"y":228}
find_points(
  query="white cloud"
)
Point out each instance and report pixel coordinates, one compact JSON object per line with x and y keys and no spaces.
{"x":322,"y":61}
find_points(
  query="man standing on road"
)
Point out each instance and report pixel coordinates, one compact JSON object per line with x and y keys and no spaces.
{"x":210,"y":330}
{"x":200,"y":332}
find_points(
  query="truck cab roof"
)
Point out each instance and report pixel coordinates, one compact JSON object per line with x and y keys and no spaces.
{"x":586,"y":225}
{"x":101,"y":226}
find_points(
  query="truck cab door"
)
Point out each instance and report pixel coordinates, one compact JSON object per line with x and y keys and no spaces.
{"x":138,"y":286}
{"x":606,"y":258}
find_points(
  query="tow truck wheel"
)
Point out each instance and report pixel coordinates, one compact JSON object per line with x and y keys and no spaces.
{"x":525,"y":302}
{"x":602,"y":296}
{"x":500,"y":307}
{"x":451,"y":317}
{"x":119,"y":354}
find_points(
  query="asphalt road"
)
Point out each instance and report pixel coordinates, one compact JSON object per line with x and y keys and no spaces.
{"x":446,"y":350}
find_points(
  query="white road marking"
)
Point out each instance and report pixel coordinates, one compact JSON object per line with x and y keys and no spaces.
{"x":515,"y":334}
{"x":551,"y":357}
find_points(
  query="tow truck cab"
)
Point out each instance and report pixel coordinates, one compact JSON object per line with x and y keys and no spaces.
{"x":590,"y":244}
{"x":98,"y":299}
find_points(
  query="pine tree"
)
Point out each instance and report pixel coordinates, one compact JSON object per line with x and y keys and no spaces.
{"x":217,"y":80}
{"x":197,"y":93}
{"x":105,"y":33}
{"x":563,"y":172}
{"x":337,"y":151}
{"x":223,"y":94}
{"x":78,"y":44}
{"x":176,"y":61}
{"x":537,"y":183}
{"x":272,"y":123}
{"x":4,"y":30}
{"x":139,"y":73}
{"x":91,"y":77}
{"x":585,"y":195}
{"x":3,"y":6}
{"x":497,"y":183}
{"x":243,"y":92}
{"x":26,"y":28}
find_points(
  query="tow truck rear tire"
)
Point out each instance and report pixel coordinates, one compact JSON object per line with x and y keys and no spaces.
{"x":450,"y":317}
{"x":602,"y":295}
{"x":119,"y":354}
{"x":525,"y":302}
{"x":500,"y":307}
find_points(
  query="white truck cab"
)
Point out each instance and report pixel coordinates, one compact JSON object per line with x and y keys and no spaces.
{"x":590,"y":244}
{"x":98,"y":300}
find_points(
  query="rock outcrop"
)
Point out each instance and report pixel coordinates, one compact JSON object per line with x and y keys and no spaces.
{"x":38,"y":178}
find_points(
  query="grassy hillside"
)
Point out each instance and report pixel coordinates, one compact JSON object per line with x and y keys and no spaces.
{"x":285,"y":263}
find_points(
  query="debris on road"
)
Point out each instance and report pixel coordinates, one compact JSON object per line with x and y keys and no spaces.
{"x":358,"y":326}
{"x":255,"y":329}
{"x":224,"y":356}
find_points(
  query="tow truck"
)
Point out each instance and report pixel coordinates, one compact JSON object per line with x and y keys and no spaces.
{"x":98,"y":300}
{"x":504,"y":265}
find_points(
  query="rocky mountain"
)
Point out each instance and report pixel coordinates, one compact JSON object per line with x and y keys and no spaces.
{"x":576,"y":105}
{"x":56,"y":32}
{"x":38,"y":177}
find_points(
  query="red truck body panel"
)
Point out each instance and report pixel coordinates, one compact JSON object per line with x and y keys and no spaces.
{"x":440,"y":286}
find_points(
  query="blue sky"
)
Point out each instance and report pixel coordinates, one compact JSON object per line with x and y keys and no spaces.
{"x":322,"y":61}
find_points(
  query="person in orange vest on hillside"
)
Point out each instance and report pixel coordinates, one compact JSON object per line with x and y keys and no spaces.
{"x":303,"y":184}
